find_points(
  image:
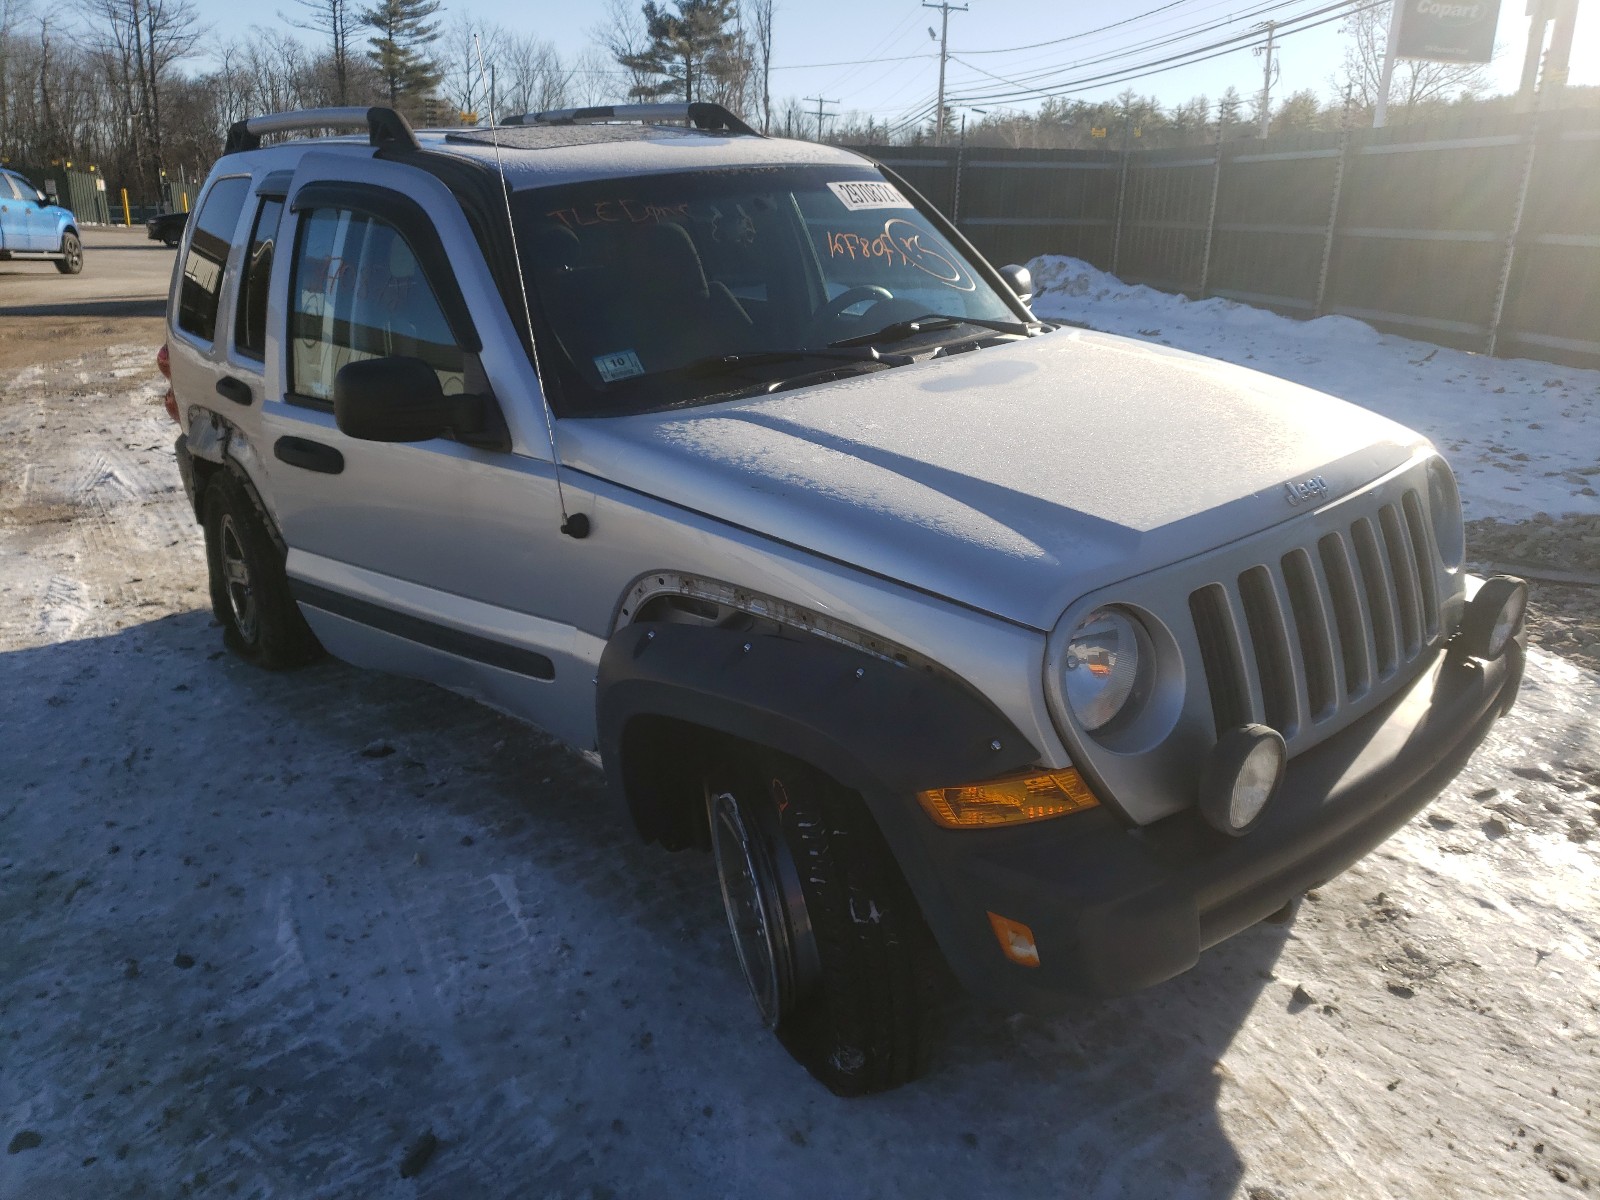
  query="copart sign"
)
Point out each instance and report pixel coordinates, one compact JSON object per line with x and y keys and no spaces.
{"x":1459,"y":31}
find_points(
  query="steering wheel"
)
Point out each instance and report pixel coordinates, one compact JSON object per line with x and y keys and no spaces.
{"x":833,"y":309}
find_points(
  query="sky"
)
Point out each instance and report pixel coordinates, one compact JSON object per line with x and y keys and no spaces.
{"x":880,"y":59}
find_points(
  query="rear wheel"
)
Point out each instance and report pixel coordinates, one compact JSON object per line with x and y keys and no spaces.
{"x":249,"y":591}
{"x":71,"y":260}
{"x":836,"y":954}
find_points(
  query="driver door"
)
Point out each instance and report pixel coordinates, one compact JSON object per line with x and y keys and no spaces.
{"x":39,"y":226}
{"x":12,"y":216}
{"x":434,"y":558}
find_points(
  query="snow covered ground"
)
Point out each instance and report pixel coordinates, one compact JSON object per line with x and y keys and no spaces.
{"x":1522,"y":436}
{"x":261,"y":934}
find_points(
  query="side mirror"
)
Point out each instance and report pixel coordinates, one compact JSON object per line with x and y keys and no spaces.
{"x":1019,"y":280}
{"x":399,"y":400}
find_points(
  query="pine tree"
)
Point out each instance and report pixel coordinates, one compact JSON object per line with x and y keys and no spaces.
{"x":690,"y":46}
{"x":402,"y":35}
{"x":1228,"y":110}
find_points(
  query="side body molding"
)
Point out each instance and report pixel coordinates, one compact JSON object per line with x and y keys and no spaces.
{"x":883,"y":729}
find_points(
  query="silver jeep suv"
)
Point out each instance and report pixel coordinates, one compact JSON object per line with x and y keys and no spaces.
{"x":959,"y":640}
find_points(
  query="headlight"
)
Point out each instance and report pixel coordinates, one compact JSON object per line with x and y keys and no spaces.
{"x":1106,"y":667}
{"x":1444,"y":506}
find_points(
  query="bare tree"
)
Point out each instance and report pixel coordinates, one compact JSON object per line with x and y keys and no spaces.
{"x":140,"y":42}
{"x":624,"y":40}
{"x":1416,"y":84}
{"x":11,"y":14}
{"x":532,"y":76}
{"x":467,"y":49}
{"x":761,"y":12}
{"x":335,"y":19}
{"x":593,"y":78}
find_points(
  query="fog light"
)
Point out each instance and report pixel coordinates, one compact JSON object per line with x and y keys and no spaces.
{"x":1494,"y":617}
{"x":1241,"y":776}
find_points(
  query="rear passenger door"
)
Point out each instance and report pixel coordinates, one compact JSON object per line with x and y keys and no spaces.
{"x":243,"y":381}
{"x":198,"y":320}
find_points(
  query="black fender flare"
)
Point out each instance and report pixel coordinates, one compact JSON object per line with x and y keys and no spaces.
{"x":883,"y":729}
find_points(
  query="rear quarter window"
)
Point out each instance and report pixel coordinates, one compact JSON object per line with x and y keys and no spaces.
{"x":208,"y":255}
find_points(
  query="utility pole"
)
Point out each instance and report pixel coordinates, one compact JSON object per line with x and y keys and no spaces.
{"x":1556,"y":62}
{"x":820,"y":114}
{"x":1266,"y":80}
{"x":1554,"y":76}
{"x":945,"y":8}
{"x":1380,"y":112}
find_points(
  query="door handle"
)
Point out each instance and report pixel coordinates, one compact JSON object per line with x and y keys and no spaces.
{"x":308,"y":455}
{"x":236,"y":390}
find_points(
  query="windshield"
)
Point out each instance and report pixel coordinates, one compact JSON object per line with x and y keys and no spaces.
{"x":663,"y":290}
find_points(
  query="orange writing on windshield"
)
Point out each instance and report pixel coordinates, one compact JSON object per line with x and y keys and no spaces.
{"x":899,"y":245}
{"x":619,"y":212}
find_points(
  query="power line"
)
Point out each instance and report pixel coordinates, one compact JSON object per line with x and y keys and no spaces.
{"x":1077,"y":37}
{"x":1189,"y":57}
{"x":1026,"y":79}
{"x":854,"y":62}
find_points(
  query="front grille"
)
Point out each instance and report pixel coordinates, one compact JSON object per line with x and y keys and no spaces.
{"x":1292,"y":641}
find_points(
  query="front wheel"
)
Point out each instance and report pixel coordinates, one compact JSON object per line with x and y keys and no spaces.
{"x":71,"y":260}
{"x":830,"y":940}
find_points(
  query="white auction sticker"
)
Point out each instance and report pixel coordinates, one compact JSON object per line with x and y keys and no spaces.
{"x":864,"y":193}
{"x":624,"y":364}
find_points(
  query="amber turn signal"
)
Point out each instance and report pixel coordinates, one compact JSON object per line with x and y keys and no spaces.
{"x":1016,"y":940}
{"x":1009,"y":800}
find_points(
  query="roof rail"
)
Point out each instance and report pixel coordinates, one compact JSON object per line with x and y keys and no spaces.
{"x":384,"y":126}
{"x":700,"y":115}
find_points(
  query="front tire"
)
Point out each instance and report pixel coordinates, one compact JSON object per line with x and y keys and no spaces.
{"x":829,"y":937}
{"x":71,"y":260}
{"x":249,"y":591}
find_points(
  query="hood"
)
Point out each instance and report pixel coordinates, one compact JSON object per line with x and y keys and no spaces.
{"x":1013,"y":479}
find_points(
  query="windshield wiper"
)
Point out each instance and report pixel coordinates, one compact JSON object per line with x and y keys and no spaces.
{"x":898,"y":331}
{"x":717,"y":364}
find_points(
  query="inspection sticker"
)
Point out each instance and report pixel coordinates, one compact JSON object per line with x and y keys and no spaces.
{"x":624,"y":364}
{"x":862,"y":194}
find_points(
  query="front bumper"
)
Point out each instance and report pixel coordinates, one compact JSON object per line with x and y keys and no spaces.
{"x":1114,"y":908}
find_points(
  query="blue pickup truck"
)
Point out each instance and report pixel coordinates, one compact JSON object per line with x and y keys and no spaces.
{"x":32,"y":227}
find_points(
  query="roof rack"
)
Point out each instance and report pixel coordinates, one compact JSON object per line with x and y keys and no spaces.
{"x":700,"y":115}
{"x":384,"y":126}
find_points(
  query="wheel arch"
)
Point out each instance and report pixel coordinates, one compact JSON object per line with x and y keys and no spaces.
{"x":668,"y":694}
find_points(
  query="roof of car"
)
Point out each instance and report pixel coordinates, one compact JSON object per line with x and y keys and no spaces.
{"x":535,"y":156}
{"x":541,"y":155}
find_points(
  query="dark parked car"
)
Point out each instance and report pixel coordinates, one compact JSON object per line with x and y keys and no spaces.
{"x":167,"y":227}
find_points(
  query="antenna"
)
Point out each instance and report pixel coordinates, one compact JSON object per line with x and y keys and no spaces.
{"x":574,"y":525}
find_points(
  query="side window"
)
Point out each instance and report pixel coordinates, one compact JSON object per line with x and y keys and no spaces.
{"x":9,"y":189}
{"x":358,"y":292}
{"x":208,"y":255}
{"x":250,"y":325}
